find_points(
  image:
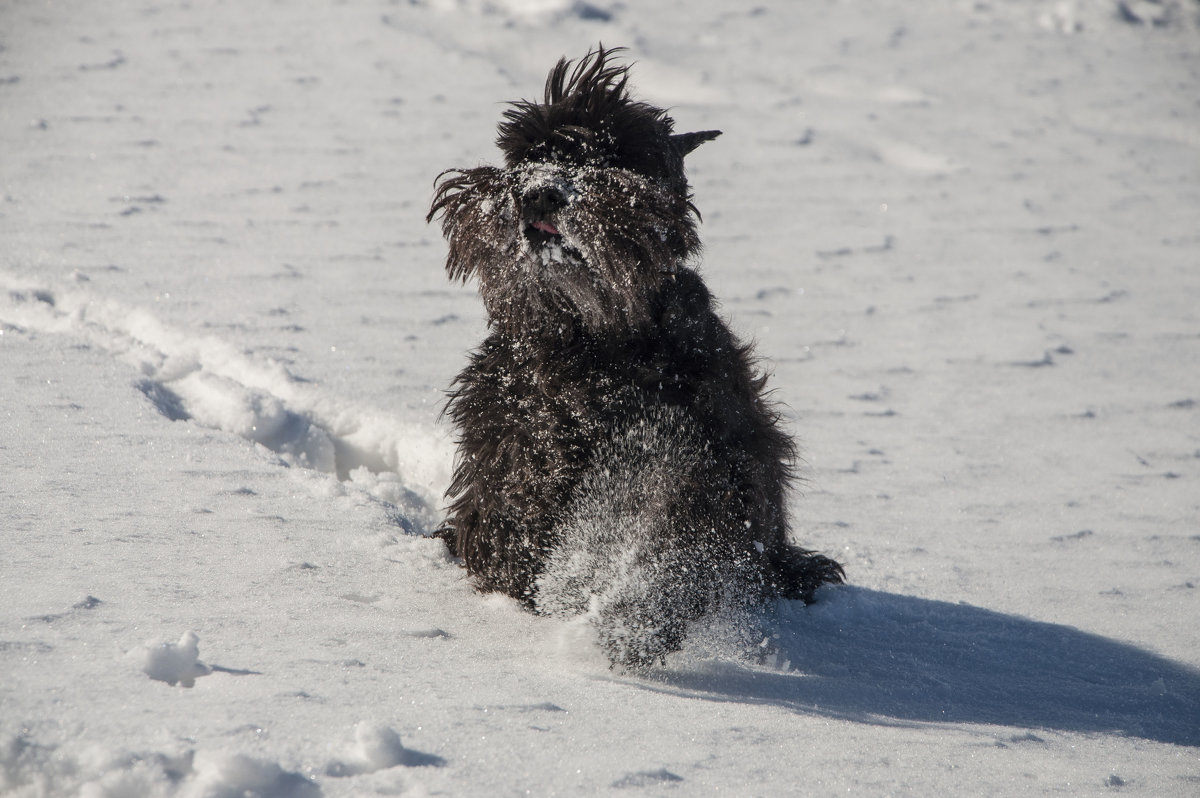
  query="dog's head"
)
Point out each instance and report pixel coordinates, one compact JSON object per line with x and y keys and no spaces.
{"x":590,"y":214}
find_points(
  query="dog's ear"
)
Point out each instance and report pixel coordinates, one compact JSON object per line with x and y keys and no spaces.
{"x":686,"y":142}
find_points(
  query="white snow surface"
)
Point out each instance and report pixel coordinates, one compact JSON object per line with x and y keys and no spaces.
{"x":173,"y":663}
{"x":965,"y":236}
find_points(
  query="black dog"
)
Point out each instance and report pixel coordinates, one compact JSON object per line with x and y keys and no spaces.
{"x":617,"y":454}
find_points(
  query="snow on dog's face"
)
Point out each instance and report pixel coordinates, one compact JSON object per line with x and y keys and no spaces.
{"x":587,"y":218}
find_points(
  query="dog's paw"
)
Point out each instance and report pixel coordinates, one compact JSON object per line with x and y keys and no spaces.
{"x":800,"y":573}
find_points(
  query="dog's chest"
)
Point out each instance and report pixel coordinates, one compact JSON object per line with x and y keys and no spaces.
{"x":562,"y":405}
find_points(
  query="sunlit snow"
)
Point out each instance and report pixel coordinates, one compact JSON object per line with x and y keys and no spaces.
{"x":963,"y":236}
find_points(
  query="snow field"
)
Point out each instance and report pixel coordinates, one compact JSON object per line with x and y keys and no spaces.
{"x":962,"y":235}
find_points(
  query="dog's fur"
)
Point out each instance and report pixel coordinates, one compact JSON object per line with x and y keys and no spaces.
{"x":617,"y":452}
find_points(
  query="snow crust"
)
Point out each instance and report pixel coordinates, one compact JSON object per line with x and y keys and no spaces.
{"x":963,"y":236}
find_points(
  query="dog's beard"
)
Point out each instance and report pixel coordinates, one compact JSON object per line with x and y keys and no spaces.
{"x":591,"y":260}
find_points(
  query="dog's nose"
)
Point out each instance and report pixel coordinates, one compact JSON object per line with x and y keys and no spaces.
{"x":543,"y":200}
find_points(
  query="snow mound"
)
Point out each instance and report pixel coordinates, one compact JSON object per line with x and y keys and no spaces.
{"x":31,"y":770}
{"x":173,"y":663}
{"x":228,"y":775}
{"x":376,"y":746}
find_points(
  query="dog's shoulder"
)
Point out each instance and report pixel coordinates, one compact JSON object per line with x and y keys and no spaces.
{"x":687,"y":314}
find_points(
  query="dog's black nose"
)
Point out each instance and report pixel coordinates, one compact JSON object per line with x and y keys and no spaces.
{"x":543,"y":200}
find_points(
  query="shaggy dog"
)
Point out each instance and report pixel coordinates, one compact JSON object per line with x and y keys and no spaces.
{"x":617,"y":453}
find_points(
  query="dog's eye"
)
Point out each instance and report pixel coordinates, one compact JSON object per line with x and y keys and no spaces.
{"x":577,"y":133}
{"x":575,"y":144}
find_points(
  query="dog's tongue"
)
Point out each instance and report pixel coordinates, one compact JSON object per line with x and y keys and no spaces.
{"x":546,"y":227}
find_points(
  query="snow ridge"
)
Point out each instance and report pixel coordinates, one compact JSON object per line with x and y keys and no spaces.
{"x":206,"y":380}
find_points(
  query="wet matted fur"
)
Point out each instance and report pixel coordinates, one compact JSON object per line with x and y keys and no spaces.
{"x":617,"y":452}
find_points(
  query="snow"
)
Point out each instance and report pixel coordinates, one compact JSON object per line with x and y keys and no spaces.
{"x":962,"y":234}
{"x":173,"y":663}
{"x":376,"y":747}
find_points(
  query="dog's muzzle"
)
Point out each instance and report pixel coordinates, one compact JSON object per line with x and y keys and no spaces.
{"x":542,"y":195}
{"x":538,"y":207}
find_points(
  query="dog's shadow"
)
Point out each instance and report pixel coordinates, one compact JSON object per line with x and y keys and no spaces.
{"x":883,"y":658}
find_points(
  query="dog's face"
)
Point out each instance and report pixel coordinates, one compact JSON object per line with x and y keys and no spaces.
{"x":587,"y":218}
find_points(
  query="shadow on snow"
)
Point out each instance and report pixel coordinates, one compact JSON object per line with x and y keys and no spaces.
{"x":878,"y":657}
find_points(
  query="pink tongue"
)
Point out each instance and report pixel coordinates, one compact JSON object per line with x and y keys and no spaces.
{"x":546,"y":227}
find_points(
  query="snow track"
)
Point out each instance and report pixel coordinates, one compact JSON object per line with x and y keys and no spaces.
{"x":207,"y":380}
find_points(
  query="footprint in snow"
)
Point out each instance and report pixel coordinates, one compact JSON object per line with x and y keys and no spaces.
{"x":646,"y":778}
